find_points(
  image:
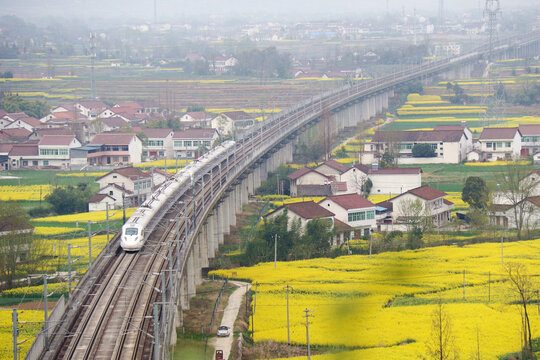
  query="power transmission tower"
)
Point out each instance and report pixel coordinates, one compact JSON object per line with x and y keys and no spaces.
{"x":492,"y":97}
{"x":92,"y":63}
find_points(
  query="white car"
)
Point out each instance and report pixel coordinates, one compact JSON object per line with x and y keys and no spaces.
{"x":223,"y":331}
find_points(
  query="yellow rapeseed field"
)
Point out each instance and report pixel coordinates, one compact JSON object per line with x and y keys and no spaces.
{"x":385,"y":304}
{"x":25,"y":192}
{"x":92,"y":216}
{"x":26,"y":330}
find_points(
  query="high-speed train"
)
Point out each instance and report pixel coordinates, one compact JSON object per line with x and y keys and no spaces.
{"x":139,"y":226}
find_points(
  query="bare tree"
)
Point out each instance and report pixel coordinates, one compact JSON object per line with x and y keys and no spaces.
{"x":517,"y":184}
{"x":522,"y":288}
{"x":441,"y":344}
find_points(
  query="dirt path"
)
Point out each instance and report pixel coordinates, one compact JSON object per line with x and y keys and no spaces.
{"x":229,"y":317}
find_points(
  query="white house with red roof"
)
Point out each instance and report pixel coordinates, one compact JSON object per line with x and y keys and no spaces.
{"x":23,"y":156}
{"x":27,"y":122}
{"x":199,"y":119}
{"x":433,"y":204}
{"x":530,"y":142}
{"x":55,"y":150}
{"x":99,"y":202}
{"x":384,"y":180}
{"x":307,"y":177}
{"x":115,"y":149}
{"x":90,"y":109}
{"x":502,"y":143}
{"x":306,"y":211}
{"x":229,"y":122}
{"x":332,"y":168}
{"x":353,"y":210}
{"x":132,"y":184}
{"x":120,"y":194}
{"x":191,"y":143}
{"x":222,"y":64}
{"x":159,"y":144}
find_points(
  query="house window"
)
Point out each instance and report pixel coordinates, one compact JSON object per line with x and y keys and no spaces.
{"x":111,"y":193}
{"x":45,"y":163}
{"x":433,"y":146}
{"x":155,"y":142}
{"x":489,"y":145}
{"x":189,"y":154}
{"x":115,"y":158}
{"x":187,"y":143}
{"x":177,"y":143}
{"x":357,"y":216}
{"x":370,"y":215}
{"x":508,"y":144}
{"x":207,"y":143}
{"x":499,"y":144}
{"x":125,"y":159}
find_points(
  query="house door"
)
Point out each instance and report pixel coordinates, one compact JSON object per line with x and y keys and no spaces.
{"x":108,"y":160}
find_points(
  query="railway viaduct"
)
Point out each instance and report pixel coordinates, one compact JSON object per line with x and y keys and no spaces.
{"x":190,"y":234}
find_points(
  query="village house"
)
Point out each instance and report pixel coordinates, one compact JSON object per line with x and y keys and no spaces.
{"x":304,"y":179}
{"x":230,"y":122}
{"x":530,"y":142}
{"x":500,"y":144}
{"x":449,"y":146}
{"x":433,"y":204}
{"x":353,"y":210}
{"x":135,"y":184}
{"x":196,"y":119}
{"x":309,"y":210}
{"x":23,"y":156}
{"x":505,"y":214}
{"x":115,"y":149}
{"x":192,"y":143}
{"x":383,"y":180}
{"x":54,"y":150}
{"x":222,"y":64}
{"x":29,"y":123}
{"x":90,"y":109}
{"x":99,"y":202}
{"x":14,"y":135}
{"x":159,"y":144}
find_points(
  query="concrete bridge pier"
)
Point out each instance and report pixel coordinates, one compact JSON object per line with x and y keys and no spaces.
{"x":210,"y":235}
{"x":232,"y":208}
{"x":203,"y":246}
{"x":219,"y":223}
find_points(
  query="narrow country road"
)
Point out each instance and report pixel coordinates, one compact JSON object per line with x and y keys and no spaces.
{"x":229,"y":317}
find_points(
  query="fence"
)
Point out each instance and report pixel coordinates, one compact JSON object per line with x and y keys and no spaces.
{"x":38,"y":346}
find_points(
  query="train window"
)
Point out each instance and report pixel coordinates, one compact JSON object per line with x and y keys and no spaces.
{"x":131,"y":231}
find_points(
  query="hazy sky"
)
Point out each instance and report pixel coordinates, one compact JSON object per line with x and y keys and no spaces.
{"x":170,"y":9}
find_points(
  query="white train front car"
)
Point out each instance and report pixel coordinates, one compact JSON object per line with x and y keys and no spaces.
{"x":132,"y":238}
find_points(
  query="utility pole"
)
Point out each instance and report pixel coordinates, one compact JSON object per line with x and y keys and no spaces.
{"x":46,"y":324}
{"x":288,"y":324}
{"x":275,"y":251}
{"x":89,"y":247}
{"x":156,"y":331}
{"x":107,"y":215}
{"x":69,"y":271}
{"x":489,"y":286}
{"x":370,"y":243}
{"x":15,"y":332}
{"x":124,"y":203}
{"x":307,"y":311}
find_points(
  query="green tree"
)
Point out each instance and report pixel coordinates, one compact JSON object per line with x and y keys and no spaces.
{"x":15,"y":103}
{"x":423,"y":150}
{"x":387,"y":160}
{"x":366,"y":187}
{"x":195,"y":108}
{"x":475,"y":192}
{"x":316,"y":240}
{"x":15,"y":241}
{"x":69,"y":200}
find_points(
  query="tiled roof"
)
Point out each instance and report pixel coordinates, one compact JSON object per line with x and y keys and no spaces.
{"x":130,"y":172}
{"x":309,"y":210}
{"x":115,"y":122}
{"x":529,"y":129}
{"x":449,"y":127}
{"x":363,"y":168}
{"x":498,"y":133}
{"x":53,"y":131}
{"x":5,"y":148}
{"x":447,"y":202}
{"x":113,"y":139}
{"x":341,"y":226}
{"x":335,"y":165}
{"x":130,"y":104}
{"x":56,"y":140}
{"x":534,"y":200}
{"x":303,"y":171}
{"x":350,"y":201}
{"x":24,"y":150}
{"x":116,"y":186}
{"x":156,"y":133}
{"x":206,"y":133}
{"x":16,"y":116}
{"x":427,"y":192}
{"x":30,"y":121}
{"x":98,"y":197}
{"x":418,"y":135}
{"x":340,"y":186}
